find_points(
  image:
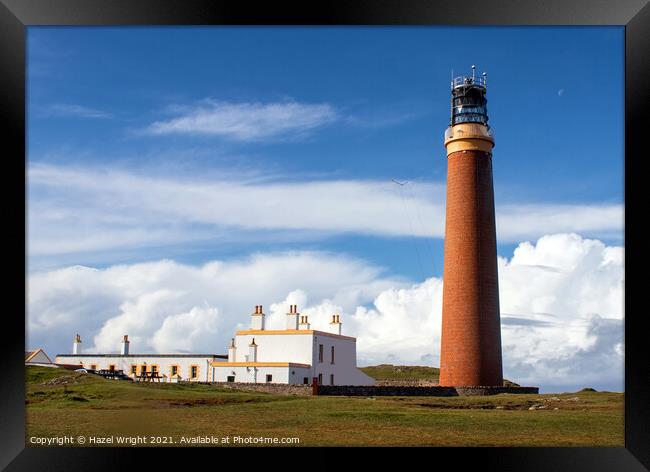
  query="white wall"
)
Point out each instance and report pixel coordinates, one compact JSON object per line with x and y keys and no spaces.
{"x":303,"y":349}
{"x":283,"y":375}
{"x":344,"y":368}
{"x":164,"y":364}
{"x":276,"y":347}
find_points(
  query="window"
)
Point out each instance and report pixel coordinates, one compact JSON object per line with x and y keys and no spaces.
{"x":230,"y":378}
{"x":194,"y":371}
{"x":143,"y":368}
{"x":320,"y":379}
{"x":331,"y":379}
{"x":111,"y":367}
{"x":269,"y":378}
{"x":173,"y":370}
{"x":305,"y":380}
{"x":332,"y":355}
{"x":134,"y":369}
{"x":154,"y":369}
{"x":320,"y":353}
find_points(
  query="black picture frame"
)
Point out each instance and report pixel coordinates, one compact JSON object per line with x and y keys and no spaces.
{"x":16,"y":15}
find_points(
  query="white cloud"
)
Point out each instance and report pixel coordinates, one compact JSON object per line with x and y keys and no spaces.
{"x":246,"y":121}
{"x":148,"y":301}
{"x":517,"y":222}
{"x":200,"y":326}
{"x":561,"y":302}
{"x":74,"y":210}
{"x":64,"y":110}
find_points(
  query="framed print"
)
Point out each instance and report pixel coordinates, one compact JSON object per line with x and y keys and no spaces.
{"x":355,"y":225}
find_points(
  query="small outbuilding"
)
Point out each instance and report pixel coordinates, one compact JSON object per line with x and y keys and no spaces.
{"x":38,"y":357}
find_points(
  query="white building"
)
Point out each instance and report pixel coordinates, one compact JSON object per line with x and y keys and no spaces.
{"x":169,"y":367}
{"x":294,"y":355}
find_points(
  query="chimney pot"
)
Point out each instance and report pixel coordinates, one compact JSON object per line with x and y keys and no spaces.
{"x":257,"y":322}
{"x":292,"y":317}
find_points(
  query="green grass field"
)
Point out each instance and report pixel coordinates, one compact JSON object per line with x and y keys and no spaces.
{"x":64,"y":403}
{"x":401,"y":372}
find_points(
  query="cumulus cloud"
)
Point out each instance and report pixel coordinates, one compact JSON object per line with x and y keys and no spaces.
{"x":246,"y":121}
{"x":561,"y":302}
{"x":149,"y":301}
{"x":199,"y":326}
{"x":74,"y":210}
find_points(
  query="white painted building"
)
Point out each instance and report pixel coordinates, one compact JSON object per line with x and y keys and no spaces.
{"x":170,"y":367}
{"x":294,"y":355}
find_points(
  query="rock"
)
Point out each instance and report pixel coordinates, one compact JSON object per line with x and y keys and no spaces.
{"x":63,"y":380}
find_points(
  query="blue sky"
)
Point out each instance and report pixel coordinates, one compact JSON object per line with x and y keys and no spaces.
{"x":199,"y":144}
{"x":555,"y":103}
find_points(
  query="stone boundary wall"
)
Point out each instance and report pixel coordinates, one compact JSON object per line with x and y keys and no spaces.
{"x":419,"y":391}
{"x":405,"y":383}
{"x":372,"y":390}
{"x":280,"y":389}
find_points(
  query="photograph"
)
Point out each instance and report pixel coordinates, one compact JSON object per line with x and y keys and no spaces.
{"x":316,"y":236}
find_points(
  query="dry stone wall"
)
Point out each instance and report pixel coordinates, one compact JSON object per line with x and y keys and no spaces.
{"x":421,"y":391}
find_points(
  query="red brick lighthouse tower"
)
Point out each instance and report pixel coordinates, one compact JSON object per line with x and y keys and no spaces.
{"x":470,"y":352}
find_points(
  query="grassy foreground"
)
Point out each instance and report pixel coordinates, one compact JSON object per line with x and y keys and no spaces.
{"x":64,"y":403}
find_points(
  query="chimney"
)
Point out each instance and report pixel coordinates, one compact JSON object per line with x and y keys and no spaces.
{"x":76,"y":345}
{"x":292,"y":317}
{"x":232,"y":351}
{"x":257,"y":318}
{"x":336,"y":325}
{"x":304,"y":322}
{"x":252,"y":351}
{"x":125,"y":345}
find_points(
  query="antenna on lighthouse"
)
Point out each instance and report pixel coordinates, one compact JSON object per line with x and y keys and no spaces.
{"x":473,"y":71}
